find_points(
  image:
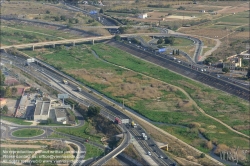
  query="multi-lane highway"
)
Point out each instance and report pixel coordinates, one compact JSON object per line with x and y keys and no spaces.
{"x":188,"y":70}
{"x":108,"y":110}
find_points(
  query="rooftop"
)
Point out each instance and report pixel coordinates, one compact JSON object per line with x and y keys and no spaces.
{"x":60,"y":112}
{"x":42,"y":108}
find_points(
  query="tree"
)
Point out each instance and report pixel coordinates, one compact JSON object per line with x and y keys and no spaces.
{"x":173,"y":52}
{"x":49,"y":121}
{"x":7,"y":92}
{"x":245,"y":62}
{"x":47,"y":12}
{"x":248,"y":73}
{"x":13,"y":91}
{"x":242,"y":29}
{"x":225,"y":69}
{"x":117,"y":37}
{"x":93,"y":111}
{"x":63,"y":18}
{"x":5,"y":109}
{"x":160,"y":41}
{"x":169,"y":40}
{"x":2,"y":78}
{"x":202,"y":155}
{"x":76,"y":21}
{"x":209,"y":60}
{"x":57,"y":18}
{"x":101,"y":11}
{"x":176,"y":52}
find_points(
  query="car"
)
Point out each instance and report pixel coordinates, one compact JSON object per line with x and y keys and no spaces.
{"x":86,"y":140}
{"x":149,"y":153}
{"x":179,"y":61}
{"x":201,"y":70}
{"x":161,"y":156}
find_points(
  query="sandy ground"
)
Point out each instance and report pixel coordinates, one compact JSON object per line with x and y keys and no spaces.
{"x":21,"y":146}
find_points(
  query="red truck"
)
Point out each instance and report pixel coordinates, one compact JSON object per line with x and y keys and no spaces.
{"x":118,"y":121}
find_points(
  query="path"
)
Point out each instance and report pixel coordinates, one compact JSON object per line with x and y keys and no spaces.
{"x":189,"y":97}
{"x":21,"y":146}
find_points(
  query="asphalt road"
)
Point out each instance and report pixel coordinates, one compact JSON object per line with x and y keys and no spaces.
{"x":187,"y":70}
{"x":38,"y":68}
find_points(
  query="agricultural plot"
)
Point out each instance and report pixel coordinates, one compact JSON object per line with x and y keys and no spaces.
{"x":242,"y":18}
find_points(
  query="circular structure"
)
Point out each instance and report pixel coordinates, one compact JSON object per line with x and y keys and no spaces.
{"x":28,"y":132}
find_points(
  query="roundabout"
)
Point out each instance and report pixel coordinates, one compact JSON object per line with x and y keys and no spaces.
{"x":27,"y":132}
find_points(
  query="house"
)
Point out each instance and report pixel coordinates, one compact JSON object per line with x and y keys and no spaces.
{"x":245,"y":55}
{"x":232,"y":63}
{"x":143,"y":15}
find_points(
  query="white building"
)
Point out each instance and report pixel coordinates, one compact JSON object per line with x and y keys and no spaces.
{"x":61,"y":116}
{"x":42,"y":111}
{"x":143,"y":15}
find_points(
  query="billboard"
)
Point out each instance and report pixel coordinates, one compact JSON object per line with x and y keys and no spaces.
{"x":93,"y":12}
{"x":62,"y":96}
{"x":162,"y":49}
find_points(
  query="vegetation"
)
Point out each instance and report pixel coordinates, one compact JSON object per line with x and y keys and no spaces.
{"x":225,"y":69}
{"x":16,"y":120}
{"x":92,"y":151}
{"x":27,"y":132}
{"x":93,"y":111}
{"x":4,"y":110}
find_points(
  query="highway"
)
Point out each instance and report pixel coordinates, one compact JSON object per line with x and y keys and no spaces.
{"x":188,"y":70}
{"x":108,"y":110}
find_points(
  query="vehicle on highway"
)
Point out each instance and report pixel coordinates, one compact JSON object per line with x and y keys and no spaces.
{"x":161,"y":156}
{"x":149,"y":153}
{"x":201,"y":70}
{"x":179,"y":61}
{"x":79,"y":89}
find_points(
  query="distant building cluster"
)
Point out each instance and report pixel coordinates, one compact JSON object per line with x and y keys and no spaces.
{"x":235,"y":61}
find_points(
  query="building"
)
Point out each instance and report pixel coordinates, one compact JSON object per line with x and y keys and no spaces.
{"x":61,"y":115}
{"x":202,"y":11}
{"x":42,"y":111}
{"x":143,"y":15}
{"x":245,"y":55}
{"x":2,"y":102}
{"x":232,"y":63}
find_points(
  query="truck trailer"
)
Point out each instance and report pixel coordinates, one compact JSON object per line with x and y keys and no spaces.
{"x":65,"y":82}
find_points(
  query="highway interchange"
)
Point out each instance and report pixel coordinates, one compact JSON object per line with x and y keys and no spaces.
{"x":107,"y":111}
{"x":190,"y":70}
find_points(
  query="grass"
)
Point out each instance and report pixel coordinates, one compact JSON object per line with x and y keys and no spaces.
{"x":27,"y":132}
{"x":16,"y":120}
{"x":171,"y":108}
{"x":182,"y":42}
{"x":219,"y":99}
{"x":92,"y":151}
{"x":13,"y":36}
{"x":242,"y":17}
{"x":83,"y":132}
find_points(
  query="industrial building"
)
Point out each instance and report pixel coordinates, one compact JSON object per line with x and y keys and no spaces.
{"x":42,"y":111}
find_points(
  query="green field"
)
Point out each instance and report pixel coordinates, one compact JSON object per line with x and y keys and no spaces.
{"x":236,"y":18}
{"x":27,"y":132}
{"x":169,"y":110}
{"x":11,"y":36}
{"x":16,"y":120}
{"x":92,"y":151}
{"x":83,"y":132}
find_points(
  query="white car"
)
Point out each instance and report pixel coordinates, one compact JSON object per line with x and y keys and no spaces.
{"x":149,"y":153}
{"x":179,"y":61}
{"x":201,"y":70}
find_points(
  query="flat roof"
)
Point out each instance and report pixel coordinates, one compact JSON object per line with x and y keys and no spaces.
{"x":60,"y":112}
{"x":42,"y":108}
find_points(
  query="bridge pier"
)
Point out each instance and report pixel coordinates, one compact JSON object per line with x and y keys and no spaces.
{"x":33,"y":47}
{"x":54,"y":45}
{"x":74,"y":44}
{"x":93,"y":41}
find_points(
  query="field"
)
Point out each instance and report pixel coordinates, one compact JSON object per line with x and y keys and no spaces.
{"x":92,"y":151}
{"x":158,"y":101}
{"x":27,"y":132}
{"x":16,"y":120}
